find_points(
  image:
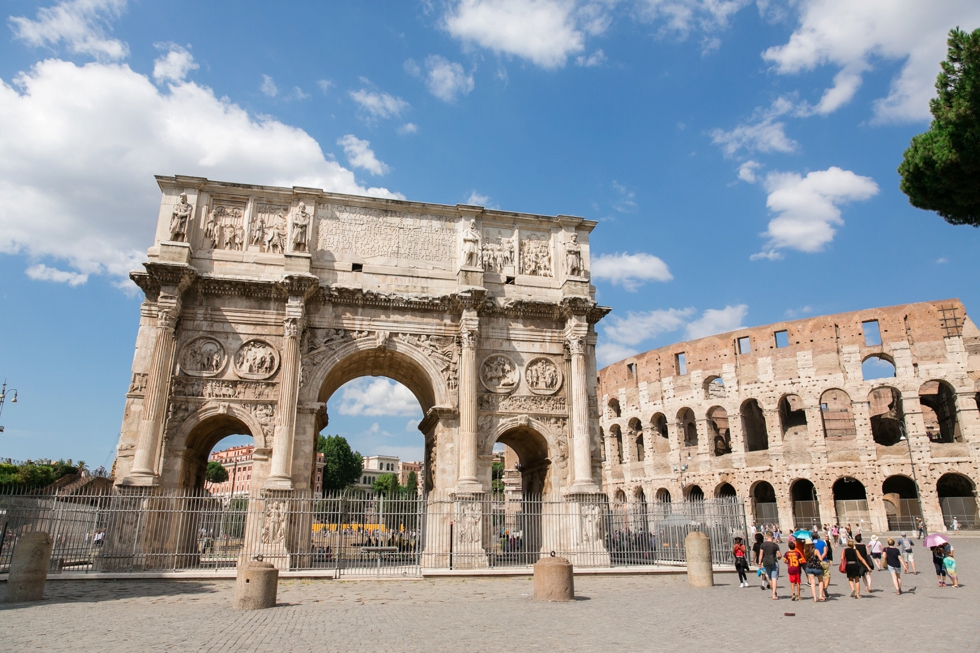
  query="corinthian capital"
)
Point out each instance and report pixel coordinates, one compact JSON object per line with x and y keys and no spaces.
{"x":576,"y":344}
{"x":167,"y":317}
{"x":468,"y":336}
{"x":291,"y":327}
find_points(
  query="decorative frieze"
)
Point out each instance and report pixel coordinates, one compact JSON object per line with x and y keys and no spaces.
{"x":221,"y":389}
{"x":203,"y":356}
{"x":346,"y":231}
{"x":530,"y":404}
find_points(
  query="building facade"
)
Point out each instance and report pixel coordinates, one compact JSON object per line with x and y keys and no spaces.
{"x":853,"y":418}
{"x":238,"y":463}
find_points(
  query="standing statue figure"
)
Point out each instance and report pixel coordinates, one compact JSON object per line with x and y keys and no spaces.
{"x":471,"y":246}
{"x":180,"y":219}
{"x":573,"y":258}
{"x":301,"y":226}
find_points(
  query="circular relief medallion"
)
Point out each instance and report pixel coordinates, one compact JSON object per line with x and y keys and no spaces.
{"x":202,"y":357}
{"x":542,"y":376}
{"x":256,"y":359}
{"x":499,"y":374}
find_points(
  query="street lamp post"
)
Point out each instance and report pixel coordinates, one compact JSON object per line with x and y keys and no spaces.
{"x":3,"y":397}
{"x":915,"y":480}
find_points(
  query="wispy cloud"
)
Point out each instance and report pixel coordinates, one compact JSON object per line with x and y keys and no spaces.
{"x":376,"y":105}
{"x":80,"y":24}
{"x":630,"y":270}
{"x":360,"y":155}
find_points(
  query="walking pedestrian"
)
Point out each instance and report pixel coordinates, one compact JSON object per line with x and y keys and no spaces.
{"x":822,"y":549}
{"x":893,"y":559}
{"x":814,"y":572}
{"x":937,"y":561}
{"x":741,"y":564}
{"x":949,"y":564}
{"x":908,"y":555}
{"x":921,"y":527}
{"x":876,"y":549}
{"x":856,"y":566}
{"x":794,"y":561}
{"x":757,"y":559}
{"x":770,"y":562}
{"x":863,"y":550}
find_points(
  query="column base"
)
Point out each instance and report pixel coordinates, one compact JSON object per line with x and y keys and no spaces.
{"x":141,"y":479}
{"x":468,"y":486}
{"x":584,"y":487}
{"x":278,"y":483}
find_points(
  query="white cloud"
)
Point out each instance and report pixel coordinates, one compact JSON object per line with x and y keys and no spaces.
{"x":446,"y":79}
{"x":761,"y":133}
{"x":79,"y":145}
{"x":852,"y":35}
{"x":807,"y":208}
{"x":627,"y":198}
{"x":378,"y":397}
{"x":80,"y":24}
{"x":408,"y":128}
{"x":544,"y":32}
{"x":716,"y":320}
{"x":794,"y":313}
{"x":630,"y":270}
{"x":597,"y":58}
{"x":41,"y":272}
{"x":324,"y":84}
{"x":476,"y":199}
{"x":360,"y":155}
{"x":268,"y":86}
{"x":683,"y":16}
{"x":610,"y":352}
{"x":746,"y":171}
{"x":379,"y":105}
{"x":637,"y":327}
{"x":173,"y":66}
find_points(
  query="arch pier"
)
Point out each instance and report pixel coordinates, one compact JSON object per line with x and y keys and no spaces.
{"x":273,"y":298}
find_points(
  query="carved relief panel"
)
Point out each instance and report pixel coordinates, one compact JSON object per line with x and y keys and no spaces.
{"x":202,"y":356}
{"x":500,"y":250}
{"x":225,"y":225}
{"x":536,"y":254}
{"x":267,"y":230}
{"x":543,"y":376}
{"x":499,"y":374}
{"x":256,"y":359}
{"x":346,"y":231}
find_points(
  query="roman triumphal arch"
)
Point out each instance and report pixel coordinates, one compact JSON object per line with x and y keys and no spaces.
{"x":262,"y":301}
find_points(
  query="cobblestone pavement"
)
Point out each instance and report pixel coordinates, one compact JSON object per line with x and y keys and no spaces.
{"x":612,"y":613}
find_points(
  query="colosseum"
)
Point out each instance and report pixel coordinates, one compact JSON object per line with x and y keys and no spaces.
{"x":868,"y":418}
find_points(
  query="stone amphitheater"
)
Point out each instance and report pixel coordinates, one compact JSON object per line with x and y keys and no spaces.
{"x":868,"y":418}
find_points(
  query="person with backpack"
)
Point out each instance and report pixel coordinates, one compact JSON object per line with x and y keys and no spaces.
{"x":741,"y":563}
{"x":856,"y":566}
{"x":908,"y":555}
{"x":893,"y":559}
{"x":876,"y":549}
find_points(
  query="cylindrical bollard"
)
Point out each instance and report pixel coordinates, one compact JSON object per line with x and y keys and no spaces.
{"x":29,"y":567}
{"x":697,"y":550}
{"x":256,"y":586}
{"x":553,"y":580}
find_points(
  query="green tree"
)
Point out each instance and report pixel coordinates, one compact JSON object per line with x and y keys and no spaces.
{"x":342,"y":466}
{"x":941,"y":168}
{"x":216,"y":472}
{"x":387,"y":484}
{"x":35,"y":473}
{"x":497,"y":477}
{"x":412,"y":486}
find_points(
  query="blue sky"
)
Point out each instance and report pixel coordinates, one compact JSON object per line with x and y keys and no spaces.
{"x":739,"y":156}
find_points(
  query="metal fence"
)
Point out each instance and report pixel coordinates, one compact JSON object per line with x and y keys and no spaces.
{"x":356,"y":534}
{"x":963,"y":510}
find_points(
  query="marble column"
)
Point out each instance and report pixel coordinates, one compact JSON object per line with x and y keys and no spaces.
{"x":582,"y":480}
{"x":282,"y":449}
{"x":467,"y":481}
{"x":157,"y":391}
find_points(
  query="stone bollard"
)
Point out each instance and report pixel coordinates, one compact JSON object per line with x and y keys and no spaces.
{"x":697,"y":550}
{"x":553,"y":580}
{"x":256,"y":586}
{"x":29,"y":567}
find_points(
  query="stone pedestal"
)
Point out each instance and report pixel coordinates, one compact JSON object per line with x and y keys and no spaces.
{"x":468,"y":536}
{"x":29,"y":567}
{"x":297,"y":262}
{"x":256,"y":586}
{"x":553,"y":580}
{"x":697,"y":550}
{"x":172,"y":252}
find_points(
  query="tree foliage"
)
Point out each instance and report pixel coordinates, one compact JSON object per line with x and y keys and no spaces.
{"x":216,"y":472}
{"x":342,"y":466}
{"x":497,"y":477}
{"x":387,"y":484}
{"x":941,"y":168}
{"x":36,"y":473}
{"x":412,"y":486}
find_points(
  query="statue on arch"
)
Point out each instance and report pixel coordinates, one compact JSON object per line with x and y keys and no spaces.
{"x":301,"y":228}
{"x":180,"y":218}
{"x":471,"y":246}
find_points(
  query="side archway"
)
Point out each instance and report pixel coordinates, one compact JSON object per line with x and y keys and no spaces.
{"x":198,"y":434}
{"x":958,"y":500}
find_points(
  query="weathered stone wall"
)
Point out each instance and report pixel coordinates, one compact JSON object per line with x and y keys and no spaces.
{"x":799,"y":411}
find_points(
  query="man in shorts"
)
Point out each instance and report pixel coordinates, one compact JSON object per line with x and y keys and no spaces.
{"x":770,"y":562}
{"x":908,"y":555}
{"x":821,"y":548}
{"x":794,"y":560}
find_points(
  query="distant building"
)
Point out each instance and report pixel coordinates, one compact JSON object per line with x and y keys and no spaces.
{"x":238,"y":462}
{"x":374,"y":467}
{"x":406,"y":468}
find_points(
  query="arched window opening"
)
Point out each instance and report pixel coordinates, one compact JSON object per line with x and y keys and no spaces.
{"x":614,"y":410}
{"x":688,"y":427}
{"x":661,"y":436}
{"x":764,"y":506}
{"x":662,"y":509}
{"x":714,"y":388}
{"x":725,"y":491}
{"x":938,"y":401}
{"x":663,"y":495}
{"x":838,"y":414}
{"x":754,"y":426}
{"x":636,"y":433}
{"x":720,"y":433}
{"x":602,"y":444}
{"x":877,"y":367}
{"x":792,"y":416}
{"x":620,"y":497}
{"x":957,"y":498}
{"x":806,"y":509}
{"x":887,"y":416}
{"x":694,"y":493}
{"x":851,"y":502}
{"x":901,"y":503}
{"x":617,"y":440}
{"x":229,"y":470}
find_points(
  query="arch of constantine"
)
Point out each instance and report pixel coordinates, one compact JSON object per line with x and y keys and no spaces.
{"x":262,"y":301}
{"x":853,"y":418}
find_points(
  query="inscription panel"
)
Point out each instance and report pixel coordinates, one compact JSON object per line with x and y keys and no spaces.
{"x":370,"y":233}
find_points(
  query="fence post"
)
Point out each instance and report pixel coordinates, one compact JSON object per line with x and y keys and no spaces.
{"x":29,"y":567}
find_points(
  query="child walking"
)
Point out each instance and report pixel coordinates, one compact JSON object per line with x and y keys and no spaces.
{"x":949,"y":563}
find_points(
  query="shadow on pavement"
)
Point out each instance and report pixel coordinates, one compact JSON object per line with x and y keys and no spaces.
{"x":94,"y":591}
